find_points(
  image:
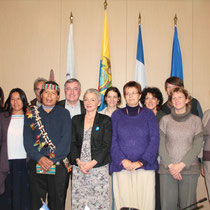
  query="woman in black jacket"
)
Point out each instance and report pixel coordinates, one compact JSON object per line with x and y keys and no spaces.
{"x":90,"y":155}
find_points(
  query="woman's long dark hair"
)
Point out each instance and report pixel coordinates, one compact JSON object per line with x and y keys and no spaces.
{"x":8,"y":107}
{"x":1,"y":99}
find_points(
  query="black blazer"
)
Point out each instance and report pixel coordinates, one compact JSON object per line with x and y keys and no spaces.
{"x":5,"y":119}
{"x":62,"y":103}
{"x":101,"y":139}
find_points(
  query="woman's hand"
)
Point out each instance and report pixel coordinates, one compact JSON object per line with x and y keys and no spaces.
{"x":131,"y":166}
{"x":202,"y":171}
{"x":176,"y":168}
{"x":178,"y":177}
{"x":85,"y":167}
{"x":127,"y":164}
{"x":136,"y":165}
{"x":89,"y":165}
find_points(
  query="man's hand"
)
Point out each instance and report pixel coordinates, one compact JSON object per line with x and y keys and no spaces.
{"x":45,"y":163}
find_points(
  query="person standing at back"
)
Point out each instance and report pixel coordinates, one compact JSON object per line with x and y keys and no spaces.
{"x":37,"y":88}
{"x":170,"y":84}
{"x":72,"y":88}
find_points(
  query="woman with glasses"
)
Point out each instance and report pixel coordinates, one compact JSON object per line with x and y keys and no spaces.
{"x":152,"y":99}
{"x":135,"y":142}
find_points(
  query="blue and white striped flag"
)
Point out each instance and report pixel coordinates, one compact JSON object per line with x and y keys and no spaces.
{"x":176,"y":64}
{"x":140,"y":75}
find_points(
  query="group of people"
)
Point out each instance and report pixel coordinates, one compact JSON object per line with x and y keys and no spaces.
{"x":150,"y":149}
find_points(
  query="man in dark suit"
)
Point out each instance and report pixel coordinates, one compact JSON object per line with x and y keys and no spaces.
{"x":37,"y":88}
{"x":72,"y":88}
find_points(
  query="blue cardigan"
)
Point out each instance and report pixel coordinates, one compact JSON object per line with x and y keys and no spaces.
{"x":134,"y":138}
{"x":57,"y":124}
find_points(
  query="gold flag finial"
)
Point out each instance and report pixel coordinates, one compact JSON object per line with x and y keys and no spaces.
{"x":139,"y":19}
{"x":105,"y":4}
{"x":175,"y":19}
{"x":71,"y":18}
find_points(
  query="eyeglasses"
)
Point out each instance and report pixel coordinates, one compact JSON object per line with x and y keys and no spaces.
{"x":131,"y":93}
{"x":153,"y":99}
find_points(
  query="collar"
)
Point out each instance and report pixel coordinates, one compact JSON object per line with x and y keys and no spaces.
{"x":180,"y":117}
{"x":76,"y":105}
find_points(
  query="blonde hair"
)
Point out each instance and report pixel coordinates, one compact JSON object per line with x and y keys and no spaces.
{"x":95,"y":91}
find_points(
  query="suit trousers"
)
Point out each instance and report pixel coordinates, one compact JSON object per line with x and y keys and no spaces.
{"x":52,"y":187}
{"x":174,"y":192}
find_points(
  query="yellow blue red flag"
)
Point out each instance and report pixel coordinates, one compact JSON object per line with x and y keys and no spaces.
{"x":105,"y":75}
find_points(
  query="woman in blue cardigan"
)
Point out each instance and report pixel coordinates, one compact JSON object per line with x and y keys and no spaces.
{"x":135,"y":141}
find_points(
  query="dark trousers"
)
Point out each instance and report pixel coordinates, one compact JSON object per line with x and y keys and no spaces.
{"x":157,"y":191}
{"x":16,"y":195}
{"x":53,"y":186}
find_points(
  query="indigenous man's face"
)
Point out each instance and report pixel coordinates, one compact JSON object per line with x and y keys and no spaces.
{"x":49,"y":97}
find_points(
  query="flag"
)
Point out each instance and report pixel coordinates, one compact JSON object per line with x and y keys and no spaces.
{"x":44,"y":206}
{"x":70,"y":68}
{"x":52,"y":77}
{"x":105,"y":75}
{"x":140,"y":75}
{"x":176,"y":64}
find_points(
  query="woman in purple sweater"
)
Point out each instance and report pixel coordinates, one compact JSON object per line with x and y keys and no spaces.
{"x":135,"y":142}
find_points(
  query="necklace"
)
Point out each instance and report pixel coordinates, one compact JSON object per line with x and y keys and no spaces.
{"x":128,"y":112}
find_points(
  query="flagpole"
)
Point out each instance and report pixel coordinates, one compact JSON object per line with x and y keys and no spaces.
{"x":139,"y":19}
{"x":71,"y":18}
{"x":175,"y":20}
{"x":105,"y":4}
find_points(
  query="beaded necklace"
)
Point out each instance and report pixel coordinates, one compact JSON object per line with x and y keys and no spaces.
{"x":33,"y":112}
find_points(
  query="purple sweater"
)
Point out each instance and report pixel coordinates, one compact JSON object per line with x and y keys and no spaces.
{"x":134,"y":138}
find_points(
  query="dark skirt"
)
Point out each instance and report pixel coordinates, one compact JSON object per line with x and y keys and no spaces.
{"x":16,"y":195}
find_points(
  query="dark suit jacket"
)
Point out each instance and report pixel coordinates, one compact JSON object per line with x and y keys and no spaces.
{"x":101,"y":139}
{"x":62,"y":103}
{"x":4,"y":164}
{"x":33,"y":102}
